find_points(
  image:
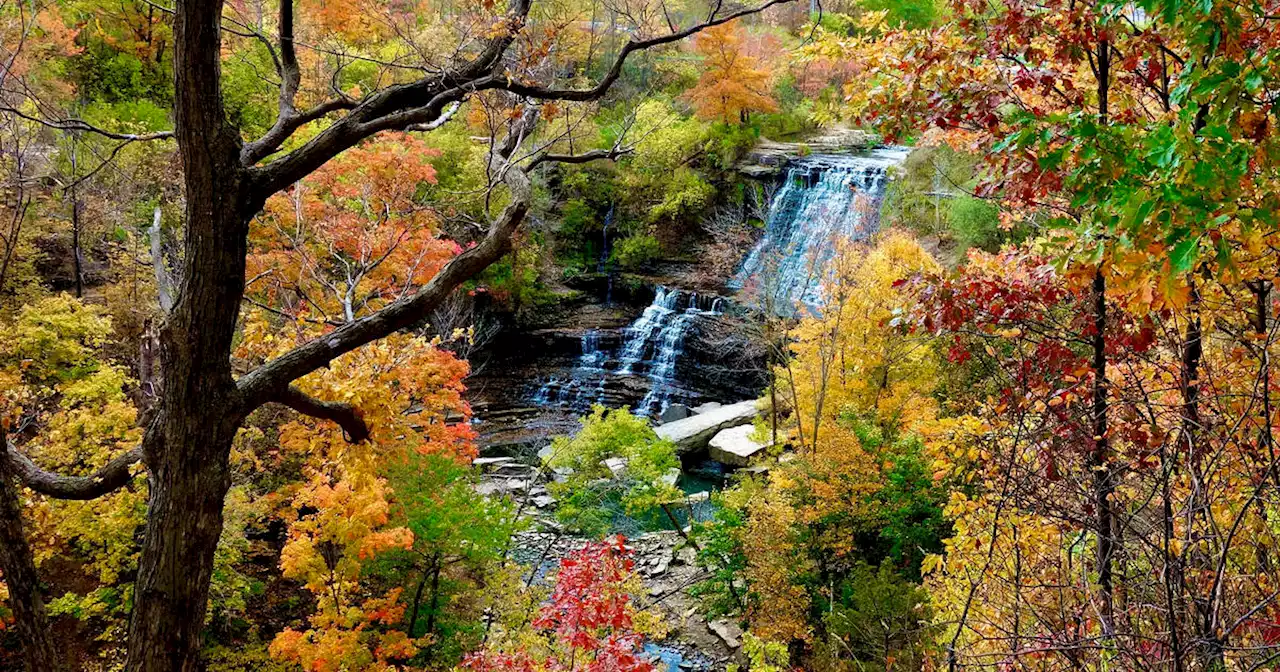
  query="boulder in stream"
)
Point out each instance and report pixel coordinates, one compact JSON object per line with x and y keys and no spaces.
{"x":694,"y":433}
{"x":674,"y":412}
{"x":735,"y":447}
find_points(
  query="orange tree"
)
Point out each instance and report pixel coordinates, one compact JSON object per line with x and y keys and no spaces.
{"x":732,"y":84}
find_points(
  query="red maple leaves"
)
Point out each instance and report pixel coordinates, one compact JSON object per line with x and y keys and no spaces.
{"x":588,"y":618}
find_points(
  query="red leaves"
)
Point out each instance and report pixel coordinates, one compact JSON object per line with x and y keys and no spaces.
{"x":588,"y":617}
{"x":589,"y":598}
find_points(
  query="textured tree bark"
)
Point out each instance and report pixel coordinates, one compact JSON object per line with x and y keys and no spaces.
{"x":187,"y":443}
{"x":18,"y":565}
{"x":187,"y":446}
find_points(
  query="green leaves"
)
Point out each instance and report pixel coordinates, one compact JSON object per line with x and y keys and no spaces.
{"x":1184,"y":254}
{"x":615,"y":458}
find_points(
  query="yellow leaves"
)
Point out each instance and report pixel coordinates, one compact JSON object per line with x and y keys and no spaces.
{"x":774,"y":563}
{"x":328,"y":547}
{"x":852,"y":358}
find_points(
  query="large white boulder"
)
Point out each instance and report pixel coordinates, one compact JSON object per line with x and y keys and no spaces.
{"x":695,"y":432}
{"x":735,"y":447}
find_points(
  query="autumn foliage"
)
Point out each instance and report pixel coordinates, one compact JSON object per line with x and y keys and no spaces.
{"x":587,"y":623}
{"x":732,"y":84}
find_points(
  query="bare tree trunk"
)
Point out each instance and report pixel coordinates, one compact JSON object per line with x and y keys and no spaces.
{"x":1099,"y":458}
{"x":18,"y":565}
{"x":1099,"y":464}
{"x":186,"y":448}
{"x":77,"y":255}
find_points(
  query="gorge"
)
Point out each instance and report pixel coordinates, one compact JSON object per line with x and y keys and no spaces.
{"x":687,"y":345}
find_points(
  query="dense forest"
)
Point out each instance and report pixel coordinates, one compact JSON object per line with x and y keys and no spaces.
{"x":639,"y":335}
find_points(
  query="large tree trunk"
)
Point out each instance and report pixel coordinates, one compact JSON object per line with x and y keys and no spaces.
{"x":25,"y":597}
{"x":187,"y":446}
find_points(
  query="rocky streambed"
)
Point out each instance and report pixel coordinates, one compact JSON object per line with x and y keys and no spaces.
{"x":666,"y":566}
{"x":665,"y":559}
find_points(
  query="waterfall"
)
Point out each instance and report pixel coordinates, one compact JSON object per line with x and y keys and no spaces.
{"x":659,"y":336}
{"x":585,"y":384}
{"x":824,"y":198}
{"x":651,"y":347}
{"x":641,"y":332}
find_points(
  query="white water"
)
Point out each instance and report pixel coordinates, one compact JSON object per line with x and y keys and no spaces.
{"x":652,"y":347}
{"x":824,"y":199}
{"x":584,"y":385}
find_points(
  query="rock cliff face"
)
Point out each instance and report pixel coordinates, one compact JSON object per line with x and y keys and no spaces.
{"x":681,"y":336}
{"x":769,"y":159}
{"x":683,"y":347}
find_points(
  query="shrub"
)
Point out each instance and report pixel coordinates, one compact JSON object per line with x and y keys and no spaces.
{"x":975,"y":223}
{"x":636,"y":251}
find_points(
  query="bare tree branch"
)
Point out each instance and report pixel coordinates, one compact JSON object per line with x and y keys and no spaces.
{"x":632,"y":46}
{"x":584,"y":157}
{"x":269,"y":381}
{"x":425,"y":101}
{"x":81,"y":125}
{"x":346,"y":416}
{"x":112,"y":476}
{"x":164,"y":283}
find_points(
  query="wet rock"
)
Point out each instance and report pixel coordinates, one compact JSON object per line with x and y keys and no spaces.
{"x":674,"y":412}
{"x":693,"y":433}
{"x":491,"y":463}
{"x":735,"y":447}
{"x":728,"y":632}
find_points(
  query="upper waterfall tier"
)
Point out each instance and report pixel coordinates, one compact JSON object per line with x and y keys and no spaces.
{"x":823,"y":199}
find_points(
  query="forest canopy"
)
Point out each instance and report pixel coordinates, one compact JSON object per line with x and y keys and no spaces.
{"x":632,"y":335}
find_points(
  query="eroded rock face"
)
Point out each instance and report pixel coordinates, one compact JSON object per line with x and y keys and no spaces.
{"x":768,"y":158}
{"x":735,"y":447}
{"x":694,"y":433}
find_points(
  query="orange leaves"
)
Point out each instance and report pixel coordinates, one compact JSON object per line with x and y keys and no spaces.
{"x":353,"y":235}
{"x":326,"y":547}
{"x":344,"y":525}
{"x":350,"y":19}
{"x":732,"y":84}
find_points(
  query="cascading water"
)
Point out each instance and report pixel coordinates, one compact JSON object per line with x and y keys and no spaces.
{"x":659,"y":335}
{"x":641,"y":332}
{"x":651,"y":348}
{"x":585,"y":384}
{"x":824,"y":199}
